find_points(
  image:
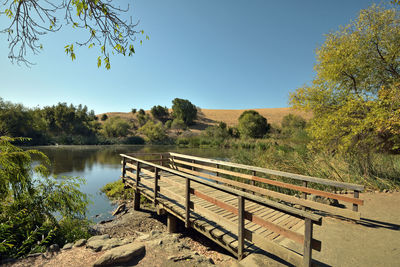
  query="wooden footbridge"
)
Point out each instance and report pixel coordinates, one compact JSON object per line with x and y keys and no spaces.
{"x":242,"y":208}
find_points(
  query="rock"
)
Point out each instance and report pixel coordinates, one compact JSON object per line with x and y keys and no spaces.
{"x":80,"y":243}
{"x":99,"y":237}
{"x":68,"y":246}
{"x":54,"y":248}
{"x":34,"y":255}
{"x":104,"y":244}
{"x":119,"y":209}
{"x":180,"y":258}
{"x":385,"y":191}
{"x":155,"y":233}
{"x":121,"y":254}
{"x":143,"y":237}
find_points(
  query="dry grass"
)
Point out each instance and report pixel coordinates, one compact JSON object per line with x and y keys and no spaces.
{"x":231,"y":116}
{"x":209,"y":117}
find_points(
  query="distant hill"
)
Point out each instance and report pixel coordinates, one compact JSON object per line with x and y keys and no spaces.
{"x":207,"y":117}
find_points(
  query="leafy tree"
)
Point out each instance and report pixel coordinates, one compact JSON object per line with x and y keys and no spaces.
{"x":17,"y":120}
{"x":354,"y":96}
{"x":159,"y":112}
{"x":183,"y":109}
{"x":154,"y":132}
{"x":103,"y":22}
{"x":141,"y":112}
{"x":133,"y":111}
{"x":178,"y":125}
{"x":30,"y":201}
{"x":104,"y":117}
{"x":116,"y":127}
{"x":252,"y":124}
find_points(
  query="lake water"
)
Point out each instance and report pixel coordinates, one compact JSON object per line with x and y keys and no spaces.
{"x":100,"y":165}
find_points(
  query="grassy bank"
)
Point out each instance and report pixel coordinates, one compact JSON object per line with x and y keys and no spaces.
{"x":376,"y":171}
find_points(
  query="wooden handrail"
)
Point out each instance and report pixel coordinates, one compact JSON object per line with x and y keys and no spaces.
{"x":276,"y":183}
{"x":355,"y":215}
{"x":274,"y":172}
{"x":293,"y":211}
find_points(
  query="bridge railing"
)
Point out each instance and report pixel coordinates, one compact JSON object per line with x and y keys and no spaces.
{"x":316,"y":193}
{"x":150,"y":168}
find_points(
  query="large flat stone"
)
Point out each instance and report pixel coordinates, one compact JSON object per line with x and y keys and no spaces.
{"x":121,"y":254}
{"x":104,"y":244}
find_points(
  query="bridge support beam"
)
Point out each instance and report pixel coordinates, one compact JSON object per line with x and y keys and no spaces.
{"x":172,"y":224}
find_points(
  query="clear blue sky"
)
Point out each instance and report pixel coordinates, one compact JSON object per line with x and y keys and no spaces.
{"x":219,"y":54}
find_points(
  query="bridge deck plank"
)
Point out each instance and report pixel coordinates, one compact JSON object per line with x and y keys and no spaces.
{"x":198,"y":220}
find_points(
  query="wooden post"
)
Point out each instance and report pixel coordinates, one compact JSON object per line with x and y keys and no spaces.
{"x":162,"y":159}
{"x":173,"y":163}
{"x":307,"y":257}
{"x":123,"y":171}
{"x":156,"y":176}
{"x":192,"y":166}
{"x":137,"y":191}
{"x":356,"y":195}
{"x":187,"y":203}
{"x":240,"y":227}
{"x":171,"y":223}
{"x":304,"y":194}
{"x":217,"y":166}
{"x":252,"y":182}
{"x":123,"y":167}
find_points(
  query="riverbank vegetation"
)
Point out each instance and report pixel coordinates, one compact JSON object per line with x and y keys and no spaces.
{"x":36,"y":210}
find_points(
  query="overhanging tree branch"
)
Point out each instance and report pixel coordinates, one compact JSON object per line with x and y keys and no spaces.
{"x":103,"y":21}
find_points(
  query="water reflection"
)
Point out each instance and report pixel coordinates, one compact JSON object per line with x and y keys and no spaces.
{"x":100,"y":165}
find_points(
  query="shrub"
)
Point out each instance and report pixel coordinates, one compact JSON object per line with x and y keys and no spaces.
{"x":34,"y":208}
{"x":168,"y":124}
{"x":178,"y":125}
{"x":133,"y":110}
{"x":252,"y":124}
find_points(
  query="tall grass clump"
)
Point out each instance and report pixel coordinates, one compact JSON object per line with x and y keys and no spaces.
{"x":382,"y":171}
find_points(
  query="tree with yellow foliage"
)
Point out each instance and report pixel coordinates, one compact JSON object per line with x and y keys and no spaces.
{"x":355,"y":96}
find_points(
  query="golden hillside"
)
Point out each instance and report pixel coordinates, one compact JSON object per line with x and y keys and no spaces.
{"x":207,"y":117}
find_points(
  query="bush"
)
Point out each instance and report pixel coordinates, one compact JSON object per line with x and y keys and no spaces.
{"x":142,"y":118}
{"x":292,"y":124}
{"x":178,"y":125}
{"x":168,"y":124}
{"x":183,"y":109}
{"x":35,"y":209}
{"x":133,"y":110}
{"x":104,"y":117}
{"x":154,"y":132}
{"x":116,"y":127}
{"x":252,"y":124}
{"x":116,"y":190}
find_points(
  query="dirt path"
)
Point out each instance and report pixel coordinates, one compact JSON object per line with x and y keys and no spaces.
{"x":375,"y":241}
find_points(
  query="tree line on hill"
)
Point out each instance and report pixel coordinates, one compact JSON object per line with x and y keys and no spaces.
{"x":69,"y":124}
